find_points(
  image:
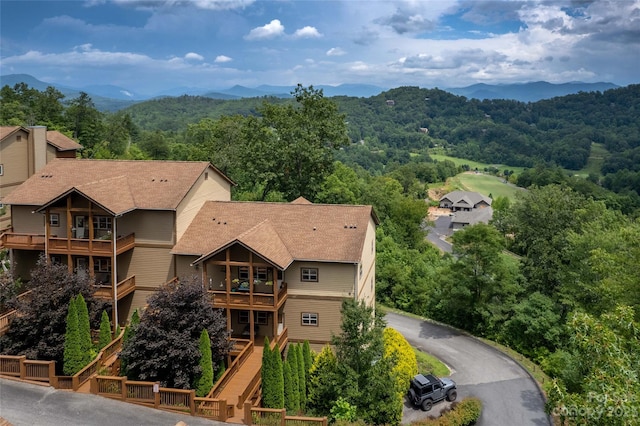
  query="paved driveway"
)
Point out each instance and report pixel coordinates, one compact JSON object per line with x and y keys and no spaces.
{"x":34,"y":405}
{"x":509,"y":396}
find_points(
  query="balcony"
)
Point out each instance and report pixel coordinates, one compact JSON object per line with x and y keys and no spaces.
{"x":242,"y":299}
{"x":15,"y":240}
{"x":96,"y":247}
{"x":125,"y":287}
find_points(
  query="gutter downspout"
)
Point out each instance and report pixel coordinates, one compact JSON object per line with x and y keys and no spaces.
{"x":114,"y":277}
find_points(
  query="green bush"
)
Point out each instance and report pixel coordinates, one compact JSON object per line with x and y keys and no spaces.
{"x":406,"y":365}
{"x":463,"y":413}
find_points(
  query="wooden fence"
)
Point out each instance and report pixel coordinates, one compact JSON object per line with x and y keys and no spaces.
{"x":45,"y":371}
{"x":278,"y":417}
{"x":150,"y":394}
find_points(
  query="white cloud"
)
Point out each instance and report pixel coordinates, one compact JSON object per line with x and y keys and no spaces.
{"x":307,"y":32}
{"x":336,"y":51}
{"x":160,"y":4}
{"x":271,"y":30}
{"x":220,"y":59}
{"x":191,"y":56}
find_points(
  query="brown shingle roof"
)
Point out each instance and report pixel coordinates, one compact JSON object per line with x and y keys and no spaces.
{"x":7,"y":130}
{"x":62,"y":142}
{"x":117,"y":185}
{"x":280,"y":232}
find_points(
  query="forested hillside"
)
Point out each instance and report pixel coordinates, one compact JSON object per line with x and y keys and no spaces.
{"x":566,"y":293}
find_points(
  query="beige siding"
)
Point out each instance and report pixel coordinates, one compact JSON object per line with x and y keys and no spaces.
{"x":14,"y":157}
{"x":150,"y":226}
{"x":151,"y":266}
{"x":334,"y":279}
{"x":214,"y":187}
{"x":52,"y":153}
{"x":329,"y":318}
{"x":366,"y":282}
{"x":26,"y":222}
{"x":139,"y":301}
{"x":184,"y":268}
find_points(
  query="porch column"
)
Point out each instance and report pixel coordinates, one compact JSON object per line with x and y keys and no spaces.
{"x":251,"y":326}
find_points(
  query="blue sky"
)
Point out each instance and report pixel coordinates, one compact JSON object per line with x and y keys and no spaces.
{"x":152,"y":45}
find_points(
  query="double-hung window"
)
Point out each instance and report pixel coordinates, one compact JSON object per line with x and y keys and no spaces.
{"x":309,"y":318}
{"x":309,"y":275}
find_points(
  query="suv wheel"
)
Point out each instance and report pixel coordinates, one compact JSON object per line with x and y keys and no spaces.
{"x":452,"y":395}
{"x":426,"y":405}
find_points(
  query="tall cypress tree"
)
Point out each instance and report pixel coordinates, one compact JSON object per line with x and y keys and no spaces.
{"x":302,"y":377}
{"x":204,"y":382}
{"x":308,"y":358}
{"x":292,"y":358}
{"x":288,"y":389}
{"x":105,"y":331}
{"x":267,"y":376}
{"x":84,"y":330}
{"x":72,"y":349}
{"x":294,"y":396}
{"x":278,"y":378}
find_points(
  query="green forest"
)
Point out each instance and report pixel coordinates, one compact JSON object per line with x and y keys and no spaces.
{"x":554,"y":276}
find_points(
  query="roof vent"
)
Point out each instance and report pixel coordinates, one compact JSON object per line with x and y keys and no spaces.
{"x":345,"y":227}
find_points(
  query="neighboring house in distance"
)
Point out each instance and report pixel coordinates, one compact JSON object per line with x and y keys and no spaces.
{"x":468,"y":208}
{"x":24,"y":151}
{"x":278,"y":265}
{"x":117,"y":220}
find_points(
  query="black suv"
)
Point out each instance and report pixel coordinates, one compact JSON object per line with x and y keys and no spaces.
{"x":425,"y":390}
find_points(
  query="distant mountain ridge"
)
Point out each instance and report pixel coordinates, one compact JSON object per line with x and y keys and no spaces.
{"x":113,"y":98}
{"x":528,"y":92}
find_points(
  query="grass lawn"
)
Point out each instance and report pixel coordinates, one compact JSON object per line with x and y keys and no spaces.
{"x":474,"y":164}
{"x":594,"y":163}
{"x":484,"y":184}
{"x":428,"y":364}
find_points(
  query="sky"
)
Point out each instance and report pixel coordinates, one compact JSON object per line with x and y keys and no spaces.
{"x":148,"y":46}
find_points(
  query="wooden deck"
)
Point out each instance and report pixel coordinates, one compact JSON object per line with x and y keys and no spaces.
{"x":240,"y":381}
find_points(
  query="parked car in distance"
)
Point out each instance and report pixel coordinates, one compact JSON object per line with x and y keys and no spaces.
{"x":425,"y":390}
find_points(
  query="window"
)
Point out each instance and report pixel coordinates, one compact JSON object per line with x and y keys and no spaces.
{"x":102,"y":265}
{"x":309,"y":318}
{"x":102,"y":222}
{"x":258,"y":273}
{"x":243,"y":273}
{"x":1,"y":169}
{"x":54,"y":219}
{"x":261,"y":318}
{"x":309,"y":274}
{"x":361,"y":271}
{"x":56,"y":259}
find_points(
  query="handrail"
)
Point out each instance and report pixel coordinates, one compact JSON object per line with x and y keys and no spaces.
{"x":231,"y":371}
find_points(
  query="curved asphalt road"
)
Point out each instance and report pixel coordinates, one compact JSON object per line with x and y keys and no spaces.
{"x":509,"y":396}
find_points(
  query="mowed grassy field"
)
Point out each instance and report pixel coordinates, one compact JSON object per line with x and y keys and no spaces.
{"x":474,"y":164}
{"x":484,"y":184}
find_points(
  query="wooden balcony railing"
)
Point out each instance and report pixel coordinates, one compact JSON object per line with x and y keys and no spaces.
{"x":244,"y":299}
{"x":23,"y":241}
{"x":96,"y":247}
{"x":125,"y":287}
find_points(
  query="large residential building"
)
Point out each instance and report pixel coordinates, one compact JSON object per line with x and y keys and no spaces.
{"x":135,"y":225}
{"x":116,"y":220}
{"x":279,"y":265}
{"x":24,"y":151}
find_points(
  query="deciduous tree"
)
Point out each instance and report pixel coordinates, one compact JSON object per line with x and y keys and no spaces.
{"x":164,"y":346}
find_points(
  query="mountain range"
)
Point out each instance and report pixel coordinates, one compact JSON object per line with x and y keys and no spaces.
{"x":113,"y":98}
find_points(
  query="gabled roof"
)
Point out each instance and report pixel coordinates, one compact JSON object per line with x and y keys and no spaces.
{"x":279,"y":232}
{"x":54,"y":138}
{"x":472,"y":198}
{"x":117,"y":185}
{"x":475,"y":216}
{"x":8,"y":130}
{"x":62,"y":142}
